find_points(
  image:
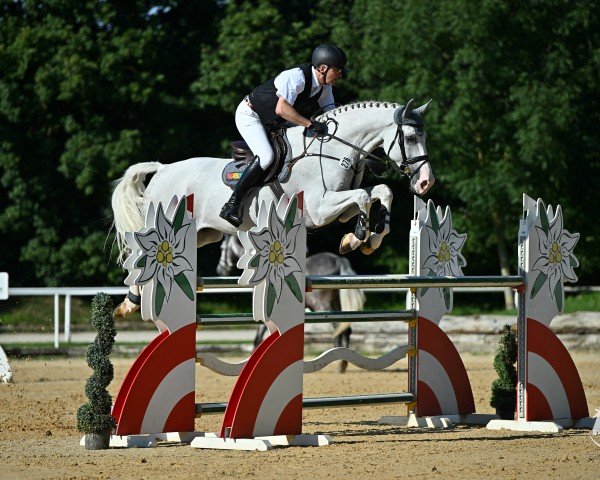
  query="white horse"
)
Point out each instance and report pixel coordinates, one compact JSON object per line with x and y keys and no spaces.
{"x":328,"y":170}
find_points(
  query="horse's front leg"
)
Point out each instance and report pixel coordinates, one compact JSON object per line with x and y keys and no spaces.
{"x":130,"y":304}
{"x":335,"y":205}
{"x":384,"y":194}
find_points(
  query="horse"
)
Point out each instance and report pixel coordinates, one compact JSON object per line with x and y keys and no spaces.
{"x":324,"y":263}
{"x":328,"y":169}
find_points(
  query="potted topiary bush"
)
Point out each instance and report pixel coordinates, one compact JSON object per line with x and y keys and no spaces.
{"x":504,"y":388}
{"x":94,"y":417}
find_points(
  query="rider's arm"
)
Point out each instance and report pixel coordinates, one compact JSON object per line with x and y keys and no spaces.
{"x":289,"y":84}
{"x":285,"y":110}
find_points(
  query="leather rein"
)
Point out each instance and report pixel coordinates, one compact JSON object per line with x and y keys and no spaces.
{"x":403,"y":168}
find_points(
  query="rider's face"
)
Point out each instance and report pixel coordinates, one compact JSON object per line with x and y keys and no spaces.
{"x":333,"y":73}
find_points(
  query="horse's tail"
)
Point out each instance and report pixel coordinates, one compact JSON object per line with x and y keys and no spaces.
{"x":350,"y":299}
{"x":128,"y":201}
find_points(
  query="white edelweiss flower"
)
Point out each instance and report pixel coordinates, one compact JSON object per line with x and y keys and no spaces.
{"x":445,"y":246}
{"x":556,"y":259}
{"x":275,"y":248}
{"x":162,"y":248}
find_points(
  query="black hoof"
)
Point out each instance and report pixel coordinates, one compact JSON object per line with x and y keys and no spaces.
{"x":361,"y":229}
{"x":384,"y":218}
{"x":360,"y":233}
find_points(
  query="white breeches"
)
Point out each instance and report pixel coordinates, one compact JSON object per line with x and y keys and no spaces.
{"x":253,"y":132}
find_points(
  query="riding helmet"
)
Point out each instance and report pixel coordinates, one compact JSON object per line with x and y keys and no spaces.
{"x":329,"y":55}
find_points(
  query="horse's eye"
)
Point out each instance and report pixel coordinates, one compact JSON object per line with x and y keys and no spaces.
{"x":412,"y":139}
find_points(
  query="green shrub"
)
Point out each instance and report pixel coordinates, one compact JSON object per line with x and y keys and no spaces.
{"x":94,"y":416}
{"x":504,"y":388}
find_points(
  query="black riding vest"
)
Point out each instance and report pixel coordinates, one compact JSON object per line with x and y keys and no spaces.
{"x":264,"y":98}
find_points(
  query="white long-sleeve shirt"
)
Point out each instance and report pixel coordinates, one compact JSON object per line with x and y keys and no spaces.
{"x":290,"y":83}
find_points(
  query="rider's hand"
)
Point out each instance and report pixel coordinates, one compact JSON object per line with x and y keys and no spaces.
{"x":318,"y":128}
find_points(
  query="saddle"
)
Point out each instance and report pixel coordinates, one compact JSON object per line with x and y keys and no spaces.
{"x":241,"y":156}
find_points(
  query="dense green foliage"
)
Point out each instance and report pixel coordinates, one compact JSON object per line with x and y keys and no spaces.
{"x":504,"y":388}
{"x":88,"y":88}
{"x":94,"y":416}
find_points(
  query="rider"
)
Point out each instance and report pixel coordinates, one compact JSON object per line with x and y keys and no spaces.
{"x":271,"y":104}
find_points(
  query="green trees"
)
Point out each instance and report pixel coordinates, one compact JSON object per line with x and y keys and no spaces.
{"x":513,"y":107}
{"x":88,"y":88}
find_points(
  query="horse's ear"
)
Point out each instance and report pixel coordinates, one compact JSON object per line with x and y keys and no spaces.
{"x":398,"y":115}
{"x":423,"y":108}
{"x":408,"y":110}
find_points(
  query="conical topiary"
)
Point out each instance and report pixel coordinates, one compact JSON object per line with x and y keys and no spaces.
{"x":504,"y":388}
{"x":94,"y":417}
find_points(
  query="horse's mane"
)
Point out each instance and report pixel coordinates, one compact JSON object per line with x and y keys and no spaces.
{"x":365,"y":104}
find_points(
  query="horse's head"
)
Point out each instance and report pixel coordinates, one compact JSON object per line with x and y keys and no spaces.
{"x":408,"y":149}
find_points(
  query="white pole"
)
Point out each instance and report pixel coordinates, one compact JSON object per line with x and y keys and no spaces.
{"x":68,"y":317}
{"x":56,"y":320}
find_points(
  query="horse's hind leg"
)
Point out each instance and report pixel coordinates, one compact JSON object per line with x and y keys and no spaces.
{"x":130,"y":304}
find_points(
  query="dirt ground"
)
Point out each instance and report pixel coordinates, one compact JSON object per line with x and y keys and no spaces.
{"x":38,"y":438}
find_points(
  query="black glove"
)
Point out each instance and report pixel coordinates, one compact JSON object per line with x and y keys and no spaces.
{"x":318,"y":128}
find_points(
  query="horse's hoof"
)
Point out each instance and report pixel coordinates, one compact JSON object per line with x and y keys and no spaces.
{"x":125,"y":308}
{"x":366,"y":248}
{"x":342,"y":366}
{"x":345,"y":245}
{"x":384,"y":220}
{"x":361,"y":231}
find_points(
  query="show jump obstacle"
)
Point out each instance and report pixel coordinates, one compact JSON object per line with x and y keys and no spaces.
{"x":157,"y":398}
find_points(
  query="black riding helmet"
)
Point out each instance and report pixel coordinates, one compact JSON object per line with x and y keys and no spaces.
{"x":331,"y":56}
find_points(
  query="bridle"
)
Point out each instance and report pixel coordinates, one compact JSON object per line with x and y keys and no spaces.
{"x":406,"y":161}
{"x":386,"y":161}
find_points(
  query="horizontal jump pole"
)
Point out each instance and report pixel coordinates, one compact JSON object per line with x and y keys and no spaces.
{"x":313,"y":317}
{"x":379,"y":281}
{"x":323,"y":402}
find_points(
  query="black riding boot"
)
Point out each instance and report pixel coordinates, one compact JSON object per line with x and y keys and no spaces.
{"x":232,"y":210}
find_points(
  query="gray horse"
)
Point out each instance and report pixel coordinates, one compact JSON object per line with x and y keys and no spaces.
{"x":328,"y":170}
{"x":324,"y":263}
